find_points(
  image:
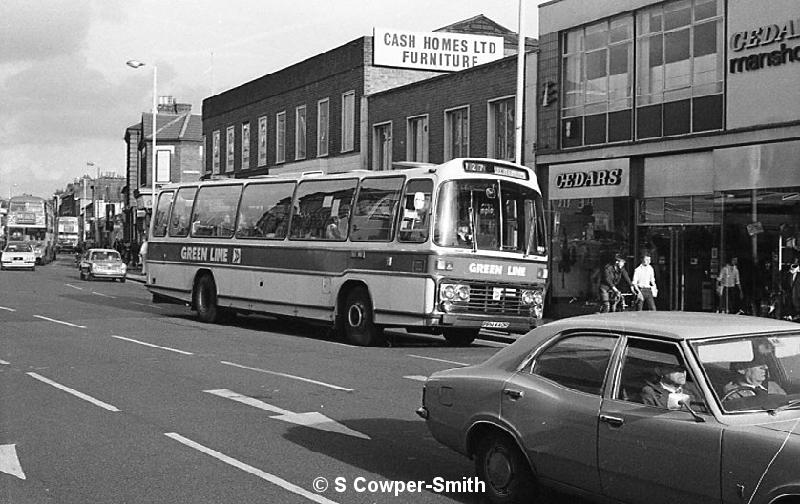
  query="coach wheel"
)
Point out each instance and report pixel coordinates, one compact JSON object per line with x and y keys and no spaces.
{"x":501,"y":465}
{"x":359,"y":327}
{"x":460,"y":337}
{"x":205,"y":299}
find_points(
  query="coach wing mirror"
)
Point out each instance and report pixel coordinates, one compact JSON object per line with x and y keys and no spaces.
{"x":419,"y":201}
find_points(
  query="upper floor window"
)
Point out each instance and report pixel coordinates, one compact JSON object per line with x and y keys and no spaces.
{"x":382,"y":147}
{"x":245,"y":145}
{"x":501,"y":129}
{"x":348,"y":121}
{"x":323,"y":126}
{"x":215,"y":139}
{"x":679,"y":54}
{"x":417,"y":141}
{"x":262,"y":141}
{"x":229,"y":149}
{"x":456,"y":133}
{"x":597,"y":76}
{"x":280,"y":137}
{"x":300,"y":132}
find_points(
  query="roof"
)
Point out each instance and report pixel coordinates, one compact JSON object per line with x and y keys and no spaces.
{"x":677,"y":325}
{"x":173,"y":126}
{"x":482,"y":25}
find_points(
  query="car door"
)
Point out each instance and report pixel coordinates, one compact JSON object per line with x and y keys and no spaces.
{"x":553,"y":404}
{"x":651,"y":454}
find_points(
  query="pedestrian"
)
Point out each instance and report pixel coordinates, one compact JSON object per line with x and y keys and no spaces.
{"x":644,"y":282}
{"x":143,"y":256}
{"x":731,"y":287}
{"x":613,"y":274}
{"x":135,"y":253}
{"x":791,"y":288}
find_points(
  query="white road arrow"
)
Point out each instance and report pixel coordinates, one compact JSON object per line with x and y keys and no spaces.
{"x":314,"y":420}
{"x":9,"y":463}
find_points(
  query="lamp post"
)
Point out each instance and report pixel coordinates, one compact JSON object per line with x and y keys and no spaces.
{"x":139,"y":64}
{"x":95,"y":213}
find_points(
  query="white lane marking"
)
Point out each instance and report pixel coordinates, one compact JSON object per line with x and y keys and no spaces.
{"x":101,"y":294}
{"x":74,"y":286}
{"x":74,"y":392}
{"x":275,"y":480}
{"x":293,"y":377}
{"x":7,"y":309}
{"x":60,"y":322}
{"x":9,"y":462}
{"x":438,"y":360}
{"x":416,"y":378}
{"x":250,"y":401}
{"x":147,"y":305}
{"x":4,"y":363}
{"x":152,"y":345}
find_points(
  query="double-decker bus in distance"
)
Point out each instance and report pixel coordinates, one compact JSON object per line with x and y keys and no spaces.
{"x":32,"y":219}
{"x":67,"y":233}
{"x":445,"y":249}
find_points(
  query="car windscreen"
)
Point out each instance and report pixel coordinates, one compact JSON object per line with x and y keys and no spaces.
{"x":18,"y":247}
{"x":105,"y":256}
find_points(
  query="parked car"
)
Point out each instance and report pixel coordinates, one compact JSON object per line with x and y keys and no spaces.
{"x":571,"y":405}
{"x":18,"y":255}
{"x":102,"y":263}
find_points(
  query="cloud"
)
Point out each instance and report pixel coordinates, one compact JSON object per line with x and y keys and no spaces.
{"x":34,"y":30}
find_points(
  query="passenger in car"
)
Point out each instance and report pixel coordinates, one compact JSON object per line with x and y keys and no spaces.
{"x":752,"y":375}
{"x":671,"y":388}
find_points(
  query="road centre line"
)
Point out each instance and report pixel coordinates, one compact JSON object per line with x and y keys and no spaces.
{"x":438,"y":360}
{"x":418,"y":378}
{"x":74,"y":286}
{"x":4,"y":363}
{"x":74,"y":392}
{"x":275,"y":480}
{"x":152,"y":345}
{"x":104,"y":295}
{"x":60,"y":322}
{"x":293,"y":377}
{"x":7,"y":309}
{"x":147,"y":305}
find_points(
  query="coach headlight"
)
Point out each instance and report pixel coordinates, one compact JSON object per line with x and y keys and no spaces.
{"x":447,"y":291}
{"x":462,"y":292}
{"x":538,"y":298}
{"x":527,"y":297}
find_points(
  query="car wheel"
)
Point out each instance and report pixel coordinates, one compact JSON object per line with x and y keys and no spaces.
{"x":501,"y":465}
{"x":460,"y":337}
{"x":205,"y":299}
{"x":359,"y":327}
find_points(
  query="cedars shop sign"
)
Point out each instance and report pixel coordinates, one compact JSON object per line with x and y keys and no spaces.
{"x":594,"y":179}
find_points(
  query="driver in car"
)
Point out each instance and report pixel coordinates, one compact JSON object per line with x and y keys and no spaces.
{"x":752,"y":376}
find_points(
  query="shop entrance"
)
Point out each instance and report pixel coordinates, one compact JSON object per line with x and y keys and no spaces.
{"x":685,"y":259}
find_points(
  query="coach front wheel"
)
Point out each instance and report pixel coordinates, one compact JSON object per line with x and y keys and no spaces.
{"x":205,"y":299}
{"x":460,"y":337}
{"x":359,"y":326}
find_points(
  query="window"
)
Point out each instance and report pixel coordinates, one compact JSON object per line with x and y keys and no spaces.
{"x":215,"y":211}
{"x":164,"y":164}
{"x":229,"y":149}
{"x":300,"y":132}
{"x":679,"y":52}
{"x":245,"y":145}
{"x":323,"y":126}
{"x":348,"y":121}
{"x":417,"y":141}
{"x":215,"y":152}
{"x":375,"y":209}
{"x":262,"y":141}
{"x":264,"y":211}
{"x":181,"y":212}
{"x":322,"y":209}
{"x":456,"y":133}
{"x":414,"y":224}
{"x":577,"y":362}
{"x":501,"y":129}
{"x":382,"y":147}
{"x":597,"y":65}
{"x":280,"y":137}
{"x":162,"y":214}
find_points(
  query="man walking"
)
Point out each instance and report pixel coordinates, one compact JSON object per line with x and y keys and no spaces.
{"x":731,"y":286}
{"x":644,"y":282}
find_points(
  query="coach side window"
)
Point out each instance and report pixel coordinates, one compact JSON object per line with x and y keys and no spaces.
{"x":162,"y":214}
{"x":416,"y":211}
{"x":181,"y":211}
{"x":215,"y":211}
{"x":375,"y":209}
{"x":264,"y":211}
{"x":322,"y":210}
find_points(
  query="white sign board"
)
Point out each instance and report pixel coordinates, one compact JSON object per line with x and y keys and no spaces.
{"x":439,"y":51}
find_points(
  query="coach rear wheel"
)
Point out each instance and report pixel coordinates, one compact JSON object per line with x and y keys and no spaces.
{"x":205,"y":299}
{"x":460,"y":337}
{"x":359,"y":326}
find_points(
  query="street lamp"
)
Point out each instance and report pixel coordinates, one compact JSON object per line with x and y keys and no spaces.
{"x":139,"y":64}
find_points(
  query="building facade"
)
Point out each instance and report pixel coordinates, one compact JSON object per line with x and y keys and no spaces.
{"x":674,"y":128}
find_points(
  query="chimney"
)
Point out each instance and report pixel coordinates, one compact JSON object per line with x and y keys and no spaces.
{"x":183,"y":108}
{"x":166,"y":104}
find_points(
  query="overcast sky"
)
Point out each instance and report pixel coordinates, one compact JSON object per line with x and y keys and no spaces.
{"x":66,"y":95}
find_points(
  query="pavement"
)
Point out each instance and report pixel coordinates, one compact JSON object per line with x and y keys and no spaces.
{"x":135,"y":274}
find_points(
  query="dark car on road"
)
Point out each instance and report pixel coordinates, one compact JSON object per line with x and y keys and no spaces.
{"x":644,"y":407}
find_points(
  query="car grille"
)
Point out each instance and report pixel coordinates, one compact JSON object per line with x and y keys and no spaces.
{"x":494,"y":299}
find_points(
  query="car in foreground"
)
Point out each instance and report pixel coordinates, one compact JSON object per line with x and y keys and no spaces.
{"x":589,"y":406}
{"x":102,"y":263}
{"x":18,"y":255}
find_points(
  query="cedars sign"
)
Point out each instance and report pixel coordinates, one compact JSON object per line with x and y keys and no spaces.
{"x":589,"y":178}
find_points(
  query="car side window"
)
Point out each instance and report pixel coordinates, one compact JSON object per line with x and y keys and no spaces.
{"x":577,"y":362}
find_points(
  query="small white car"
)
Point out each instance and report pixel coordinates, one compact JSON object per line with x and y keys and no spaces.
{"x":102,"y":263}
{"x":18,"y":255}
